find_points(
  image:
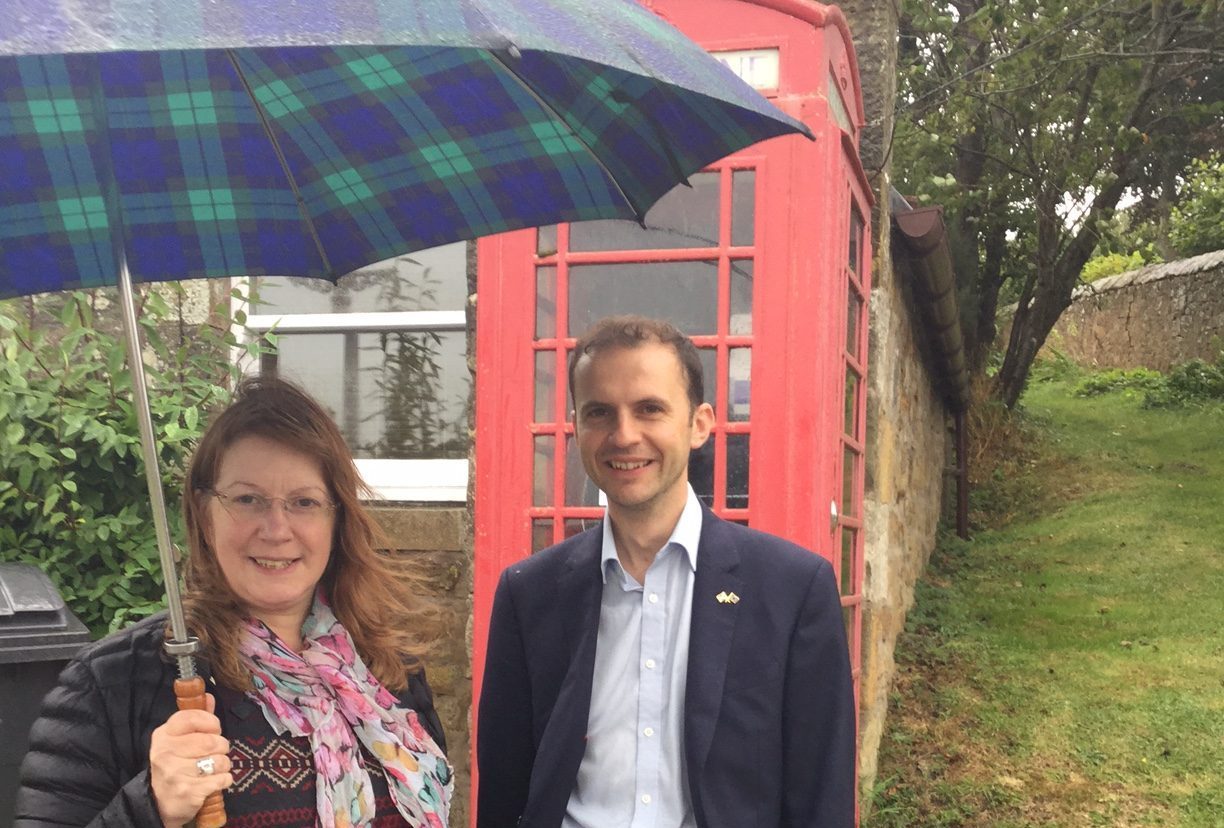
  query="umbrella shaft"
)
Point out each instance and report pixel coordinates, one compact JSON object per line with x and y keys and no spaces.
{"x":144,"y":418}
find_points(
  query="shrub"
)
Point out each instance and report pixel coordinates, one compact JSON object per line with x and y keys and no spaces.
{"x":1193,"y":383}
{"x":73,"y":496}
{"x":1117,"y":379}
{"x":1111,"y":264}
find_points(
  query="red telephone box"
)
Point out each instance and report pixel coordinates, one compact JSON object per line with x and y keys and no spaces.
{"x":764,"y":262}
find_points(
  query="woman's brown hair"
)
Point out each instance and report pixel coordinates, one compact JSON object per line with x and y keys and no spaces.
{"x":378,"y":605}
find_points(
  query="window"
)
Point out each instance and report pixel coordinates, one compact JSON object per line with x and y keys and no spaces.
{"x":385,"y":351}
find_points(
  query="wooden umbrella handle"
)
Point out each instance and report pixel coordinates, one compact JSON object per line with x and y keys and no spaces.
{"x":190,"y":696}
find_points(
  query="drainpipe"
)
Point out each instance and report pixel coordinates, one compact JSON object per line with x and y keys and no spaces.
{"x":925,"y":238}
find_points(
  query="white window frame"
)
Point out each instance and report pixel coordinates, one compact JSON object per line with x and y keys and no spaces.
{"x":424,"y":481}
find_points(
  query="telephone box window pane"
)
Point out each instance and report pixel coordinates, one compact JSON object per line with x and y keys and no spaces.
{"x":395,"y":395}
{"x":542,"y":471}
{"x":847,"y":559}
{"x":854,"y":310}
{"x":685,"y":217}
{"x":851,"y":403}
{"x":743,"y":207}
{"x":848,"y":622}
{"x":856,"y":234}
{"x":545,"y":386}
{"x":741,"y":297}
{"x":701,"y":472}
{"x":579,"y":490}
{"x":541,"y":534}
{"x":546,"y":302}
{"x":575,"y":525}
{"x":434,"y":279}
{"x":546,"y":241}
{"x":739,"y":385}
{"x":850,"y":461}
{"x":709,"y":374}
{"x":737,"y":471}
{"x":838,"y":106}
{"x":684,"y":293}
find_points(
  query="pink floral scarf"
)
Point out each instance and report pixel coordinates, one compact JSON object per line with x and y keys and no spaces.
{"x":327,"y":694}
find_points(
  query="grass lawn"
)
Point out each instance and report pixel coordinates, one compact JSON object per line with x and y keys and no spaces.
{"x":1066,"y":666}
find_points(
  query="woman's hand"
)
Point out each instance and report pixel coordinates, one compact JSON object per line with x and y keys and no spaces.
{"x":179,"y":784}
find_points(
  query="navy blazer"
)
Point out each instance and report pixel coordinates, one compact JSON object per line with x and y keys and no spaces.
{"x":769,"y":731}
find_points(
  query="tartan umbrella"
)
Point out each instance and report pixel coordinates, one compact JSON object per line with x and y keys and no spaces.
{"x":147,"y":140}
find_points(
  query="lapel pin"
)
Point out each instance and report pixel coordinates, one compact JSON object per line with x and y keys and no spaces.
{"x":727,"y":598}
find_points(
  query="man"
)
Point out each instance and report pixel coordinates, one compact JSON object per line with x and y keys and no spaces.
{"x":667,"y":669}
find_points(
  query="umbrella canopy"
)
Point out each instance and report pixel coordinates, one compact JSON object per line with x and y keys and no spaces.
{"x":200,"y":138}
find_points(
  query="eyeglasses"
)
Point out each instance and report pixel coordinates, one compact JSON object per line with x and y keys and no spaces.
{"x":251,"y":506}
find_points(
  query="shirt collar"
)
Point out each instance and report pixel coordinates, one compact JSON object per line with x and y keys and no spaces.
{"x":686,"y":535}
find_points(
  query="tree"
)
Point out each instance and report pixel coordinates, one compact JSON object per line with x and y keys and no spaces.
{"x":1198,"y":218}
{"x":1029,"y":120}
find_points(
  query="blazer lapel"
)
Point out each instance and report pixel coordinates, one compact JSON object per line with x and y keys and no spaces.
{"x":712,"y":626}
{"x":563,"y":741}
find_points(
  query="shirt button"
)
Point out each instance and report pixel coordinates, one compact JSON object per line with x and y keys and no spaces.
{"x":654,"y":598}
{"x":648,"y":732}
{"x":650,"y":664}
{"x":645,"y":799}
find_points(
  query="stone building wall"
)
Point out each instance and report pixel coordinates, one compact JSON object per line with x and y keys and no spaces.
{"x":434,"y":544}
{"x":907,"y":439}
{"x":1155,"y":317}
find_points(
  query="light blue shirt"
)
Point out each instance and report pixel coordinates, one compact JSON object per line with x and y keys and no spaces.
{"x":633,"y":772}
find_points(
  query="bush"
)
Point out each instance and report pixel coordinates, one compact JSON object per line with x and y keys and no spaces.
{"x":1118,"y":379}
{"x":1194,"y":383}
{"x":1111,"y":264}
{"x":73,"y":498}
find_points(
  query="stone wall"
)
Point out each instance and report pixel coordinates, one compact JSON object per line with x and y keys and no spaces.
{"x":907,"y":445}
{"x":907,"y":440}
{"x":1155,"y":317}
{"x":435,"y":545}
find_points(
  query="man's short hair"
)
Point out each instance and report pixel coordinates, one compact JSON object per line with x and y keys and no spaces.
{"x":634,"y":331}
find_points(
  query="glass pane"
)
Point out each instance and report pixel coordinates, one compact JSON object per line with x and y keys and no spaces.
{"x":546,"y":240}
{"x":856,"y":233}
{"x":850,"y":401}
{"x":546,"y":302}
{"x":854,"y":309}
{"x":701,"y":472}
{"x":579,"y":490}
{"x":709,"y":374}
{"x":400,"y":395}
{"x":685,"y":217}
{"x":541,"y":534}
{"x":434,"y":279}
{"x":847,"y":559}
{"x":545,"y":385}
{"x":685,"y":293}
{"x":848,"y":622}
{"x":739,"y":384}
{"x":542,"y":471}
{"x":737,"y":471}
{"x":850,"y":461}
{"x":575,"y":525}
{"x":741,"y":297}
{"x":743,"y":207}
{"x":838,"y":105}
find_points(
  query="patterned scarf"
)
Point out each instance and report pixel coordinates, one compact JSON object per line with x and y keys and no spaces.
{"x":327,"y":694}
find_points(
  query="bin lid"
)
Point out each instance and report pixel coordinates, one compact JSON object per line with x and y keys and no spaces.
{"x":35,"y":625}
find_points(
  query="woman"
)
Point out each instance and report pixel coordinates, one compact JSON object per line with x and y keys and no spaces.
{"x":319,"y":712}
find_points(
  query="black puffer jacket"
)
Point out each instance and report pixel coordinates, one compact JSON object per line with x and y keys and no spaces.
{"x":88,"y":763}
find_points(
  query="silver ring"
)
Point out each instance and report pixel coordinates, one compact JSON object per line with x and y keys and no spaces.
{"x":206,"y":766}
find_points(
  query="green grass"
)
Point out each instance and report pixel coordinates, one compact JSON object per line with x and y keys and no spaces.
{"x":1066,"y":666}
